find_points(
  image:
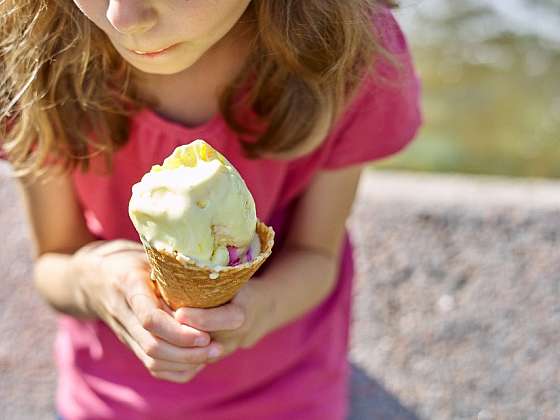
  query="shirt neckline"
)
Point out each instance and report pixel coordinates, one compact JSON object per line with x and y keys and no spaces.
{"x":152,"y":119}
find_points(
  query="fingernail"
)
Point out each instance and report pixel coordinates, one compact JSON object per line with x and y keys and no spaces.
{"x":201,"y":341}
{"x":214,"y":352}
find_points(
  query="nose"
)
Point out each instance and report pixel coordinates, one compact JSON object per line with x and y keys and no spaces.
{"x":131,"y":16}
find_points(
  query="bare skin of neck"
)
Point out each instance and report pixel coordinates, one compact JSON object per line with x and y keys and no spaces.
{"x":191,"y":97}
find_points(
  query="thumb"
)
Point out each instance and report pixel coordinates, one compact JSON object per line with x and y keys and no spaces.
{"x":139,"y":291}
{"x":153,"y":316}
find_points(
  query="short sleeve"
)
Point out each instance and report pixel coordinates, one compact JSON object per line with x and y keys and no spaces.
{"x":385,"y":114}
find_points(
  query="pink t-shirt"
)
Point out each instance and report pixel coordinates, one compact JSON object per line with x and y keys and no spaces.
{"x":299,"y":371}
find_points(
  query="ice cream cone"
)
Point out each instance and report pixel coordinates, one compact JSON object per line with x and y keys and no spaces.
{"x":182,"y":282}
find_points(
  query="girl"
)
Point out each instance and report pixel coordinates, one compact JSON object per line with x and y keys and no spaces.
{"x":297,"y":95}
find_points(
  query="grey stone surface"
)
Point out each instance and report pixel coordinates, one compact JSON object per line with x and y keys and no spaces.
{"x":457,"y":302}
{"x":27,"y":325}
{"x":457,"y":308}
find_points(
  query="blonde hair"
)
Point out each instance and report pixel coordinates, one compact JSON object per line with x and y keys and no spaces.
{"x":61,"y":79}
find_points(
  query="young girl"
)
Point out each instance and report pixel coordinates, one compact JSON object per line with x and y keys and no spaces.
{"x":297,"y":95}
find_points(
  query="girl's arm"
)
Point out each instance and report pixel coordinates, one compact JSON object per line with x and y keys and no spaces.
{"x":57,"y":231}
{"x":306,"y":271}
{"x":302,"y":275}
{"x":108,"y":280}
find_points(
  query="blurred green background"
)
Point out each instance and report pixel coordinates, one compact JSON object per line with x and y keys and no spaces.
{"x":491,"y":86}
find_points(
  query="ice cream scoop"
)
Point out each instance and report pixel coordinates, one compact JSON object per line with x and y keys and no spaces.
{"x":196,"y":204}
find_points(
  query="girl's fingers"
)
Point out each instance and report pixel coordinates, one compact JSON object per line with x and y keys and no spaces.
{"x":146,"y":307}
{"x":178,"y":377}
{"x":155,"y":365}
{"x":226,"y":317}
{"x":159,"y":349}
{"x":162,"y":369}
{"x":145,"y":344}
{"x":162,"y":325}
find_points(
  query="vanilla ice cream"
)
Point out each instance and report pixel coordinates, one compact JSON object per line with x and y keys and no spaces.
{"x":197,"y":205}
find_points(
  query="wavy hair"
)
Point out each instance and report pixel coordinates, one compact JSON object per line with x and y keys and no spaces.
{"x":61,"y":79}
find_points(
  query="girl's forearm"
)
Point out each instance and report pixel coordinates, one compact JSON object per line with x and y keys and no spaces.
{"x":298,"y":281}
{"x":57,"y":279}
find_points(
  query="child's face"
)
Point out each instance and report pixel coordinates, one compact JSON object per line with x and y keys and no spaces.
{"x":176,"y":32}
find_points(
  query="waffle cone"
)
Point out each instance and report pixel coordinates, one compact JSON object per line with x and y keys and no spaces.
{"x":182,"y":282}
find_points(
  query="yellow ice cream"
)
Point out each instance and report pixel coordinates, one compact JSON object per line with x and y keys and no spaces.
{"x":195,"y":203}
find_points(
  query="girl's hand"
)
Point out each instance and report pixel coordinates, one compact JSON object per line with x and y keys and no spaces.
{"x":115,"y":284}
{"x":241,"y":323}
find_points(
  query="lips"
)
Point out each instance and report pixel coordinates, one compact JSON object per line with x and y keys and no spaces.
{"x":152,"y":52}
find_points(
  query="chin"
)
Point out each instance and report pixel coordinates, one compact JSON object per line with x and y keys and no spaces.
{"x":161,"y":68}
